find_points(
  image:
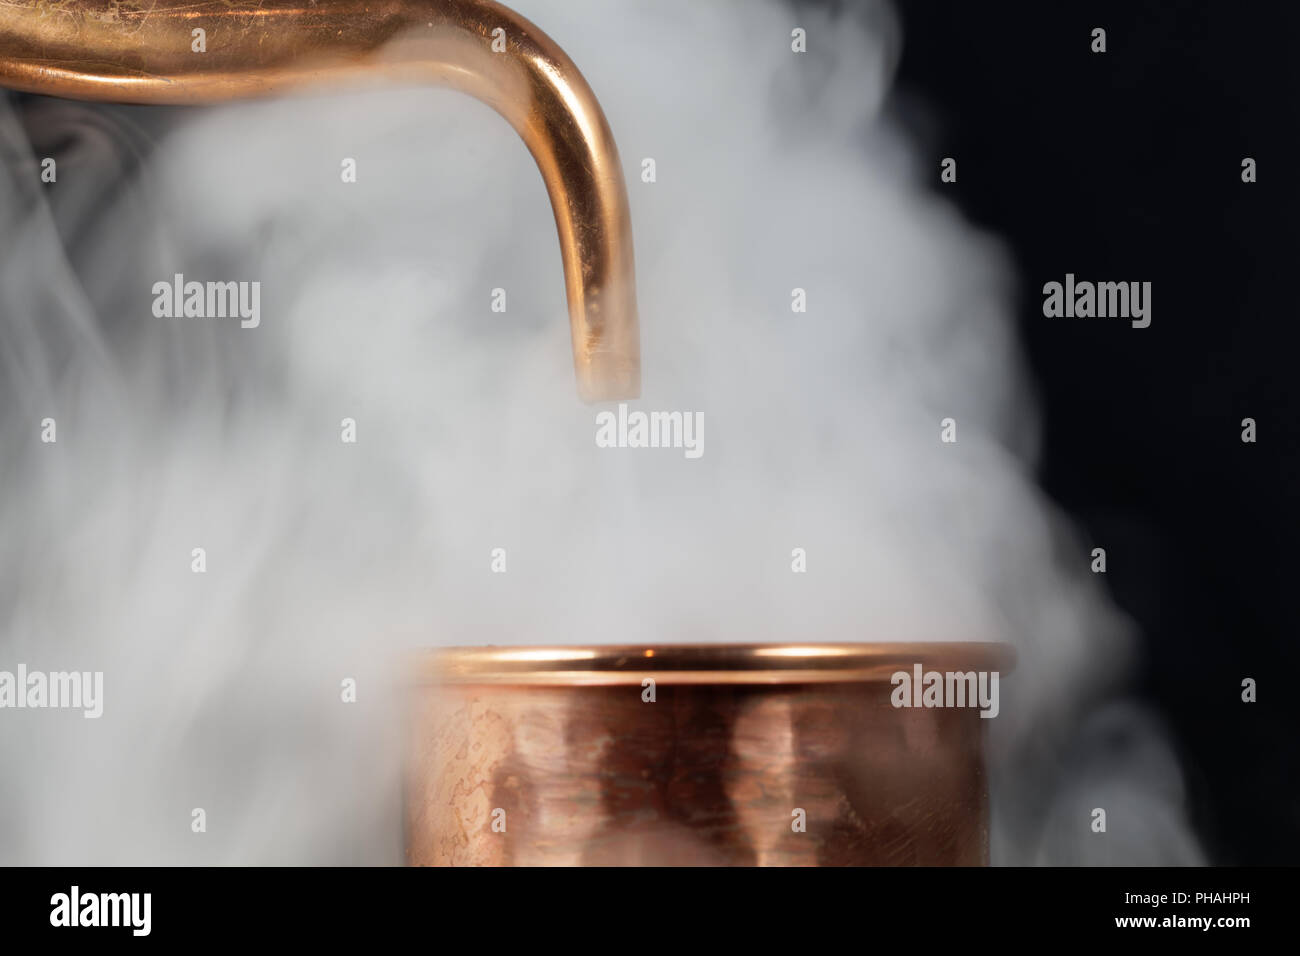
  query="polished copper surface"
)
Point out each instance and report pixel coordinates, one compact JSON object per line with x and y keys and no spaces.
{"x":559,"y":748}
{"x":144,"y":51}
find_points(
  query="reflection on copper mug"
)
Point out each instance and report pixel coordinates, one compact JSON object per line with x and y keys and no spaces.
{"x":769,"y":755}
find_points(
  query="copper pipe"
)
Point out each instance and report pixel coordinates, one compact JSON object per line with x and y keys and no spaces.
{"x":553,"y":756}
{"x":144,"y":51}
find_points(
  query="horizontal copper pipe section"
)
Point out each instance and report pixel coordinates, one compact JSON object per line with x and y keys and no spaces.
{"x":144,"y":51}
{"x":553,"y":756}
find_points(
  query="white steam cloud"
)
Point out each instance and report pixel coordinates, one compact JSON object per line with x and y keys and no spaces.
{"x":324,"y":559}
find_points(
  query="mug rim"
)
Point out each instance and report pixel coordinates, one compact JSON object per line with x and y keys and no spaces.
{"x":694,"y":663}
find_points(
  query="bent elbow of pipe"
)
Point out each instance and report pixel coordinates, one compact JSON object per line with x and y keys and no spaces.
{"x":99,"y":50}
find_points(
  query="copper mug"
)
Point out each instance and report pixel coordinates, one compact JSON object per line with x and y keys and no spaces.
{"x":768,"y":755}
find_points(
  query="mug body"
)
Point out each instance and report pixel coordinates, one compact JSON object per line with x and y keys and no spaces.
{"x":782,"y":755}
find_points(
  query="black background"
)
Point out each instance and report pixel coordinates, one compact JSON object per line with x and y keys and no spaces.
{"x":1127,"y":166}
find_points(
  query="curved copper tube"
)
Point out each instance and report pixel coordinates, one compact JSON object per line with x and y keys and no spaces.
{"x":145,"y":51}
